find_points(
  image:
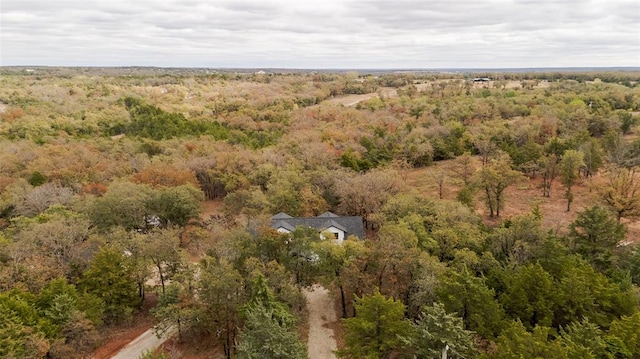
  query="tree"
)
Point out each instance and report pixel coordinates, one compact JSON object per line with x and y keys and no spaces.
{"x":435,"y":329}
{"x":222,"y":292}
{"x":162,"y":247}
{"x":550,"y":165}
{"x":622,"y":192}
{"x":177,"y":310}
{"x":298,"y":257}
{"x":176,"y":205}
{"x":516,"y":342}
{"x":471,"y":299}
{"x":376,"y":329}
{"x":582,"y":292}
{"x":18,"y":340}
{"x":391,"y":259}
{"x":585,"y":340}
{"x":494,"y":178}
{"x":570,"y":164}
{"x":269,"y":328}
{"x":464,"y":167}
{"x":627,"y":329}
{"x":529,"y":296}
{"x":334,"y":259}
{"x":267,"y":335}
{"x":110,"y":277}
{"x":594,"y":234}
{"x":125,"y":204}
{"x":165,"y":175}
{"x":593,"y":156}
{"x":364,"y":194}
{"x":57,"y":233}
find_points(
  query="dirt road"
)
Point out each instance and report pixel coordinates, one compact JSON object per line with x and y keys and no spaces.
{"x":321,"y":342}
{"x":352,"y":100}
{"x":146,"y":341}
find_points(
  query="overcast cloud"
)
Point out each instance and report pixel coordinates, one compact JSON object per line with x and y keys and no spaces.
{"x":321,"y":34}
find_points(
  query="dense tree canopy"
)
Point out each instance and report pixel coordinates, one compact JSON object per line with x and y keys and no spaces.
{"x":119,"y":183}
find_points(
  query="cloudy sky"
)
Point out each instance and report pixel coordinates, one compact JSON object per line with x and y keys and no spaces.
{"x":321,"y":34}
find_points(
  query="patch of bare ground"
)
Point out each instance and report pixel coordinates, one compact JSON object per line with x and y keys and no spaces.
{"x":521,"y":198}
{"x":116,"y":337}
{"x":193,"y":348}
{"x":352,"y":100}
{"x":321,"y":342}
{"x":211,"y":208}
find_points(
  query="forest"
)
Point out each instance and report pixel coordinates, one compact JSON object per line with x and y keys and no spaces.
{"x":500,"y":216}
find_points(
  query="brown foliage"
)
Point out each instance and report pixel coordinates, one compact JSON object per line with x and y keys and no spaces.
{"x":12,"y":114}
{"x":165,"y":175}
{"x":96,"y":189}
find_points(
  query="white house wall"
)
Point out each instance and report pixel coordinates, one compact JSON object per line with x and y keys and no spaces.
{"x":338,"y":231}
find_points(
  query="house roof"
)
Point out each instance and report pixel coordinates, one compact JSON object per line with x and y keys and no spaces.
{"x":327,"y":214}
{"x":351,"y":225}
{"x":283,"y":224}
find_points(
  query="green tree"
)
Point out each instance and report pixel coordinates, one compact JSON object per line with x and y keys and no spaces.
{"x":58,"y":299}
{"x":570,"y":164}
{"x":627,"y":329}
{"x":593,"y":156}
{"x":176,"y":205}
{"x":269,"y":335}
{"x":494,"y":178}
{"x":515,"y":342}
{"x":269,"y":327}
{"x":376,"y":329}
{"x":18,"y":340}
{"x":582,"y":292}
{"x":471,"y":299}
{"x":435,"y":329}
{"x":529,"y":296}
{"x":585,"y":340}
{"x":334,"y":259}
{"x":595,"y":235}
{"x":125,"y":204}
{"x":176,"y":309}
{"x":162,"y":247}
{"x":222,"y":292}
{"x":110,"y":277}
{"x":550,"y":166}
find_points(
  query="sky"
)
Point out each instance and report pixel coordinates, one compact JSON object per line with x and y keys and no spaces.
{"x":324,"y":34}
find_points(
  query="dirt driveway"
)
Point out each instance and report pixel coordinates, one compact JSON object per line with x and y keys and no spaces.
{"x":148,"y":341}
{"x":321,"y":342}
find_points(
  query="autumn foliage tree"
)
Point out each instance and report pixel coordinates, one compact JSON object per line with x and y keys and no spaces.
{"x":493,"y":179}
{"x":621,"y":192}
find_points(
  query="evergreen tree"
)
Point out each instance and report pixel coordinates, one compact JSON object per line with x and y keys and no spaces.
{"x":110,"y":277}
{"x":435,"y":329}
{"x":376,"y":329}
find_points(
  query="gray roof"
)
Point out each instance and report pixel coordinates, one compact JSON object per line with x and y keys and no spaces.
{"x":326,"y":214}
{"x":351,"y":225}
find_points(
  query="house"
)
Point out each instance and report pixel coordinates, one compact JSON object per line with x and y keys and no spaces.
{"x":341,"y":227}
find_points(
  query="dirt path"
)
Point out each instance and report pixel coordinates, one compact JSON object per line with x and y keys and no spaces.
{"x":352,"y":100}
{"x":146,"y":341}
{"x":321,"y":342}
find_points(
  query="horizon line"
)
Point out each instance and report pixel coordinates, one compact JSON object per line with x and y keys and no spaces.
{"x":385,"y":69}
